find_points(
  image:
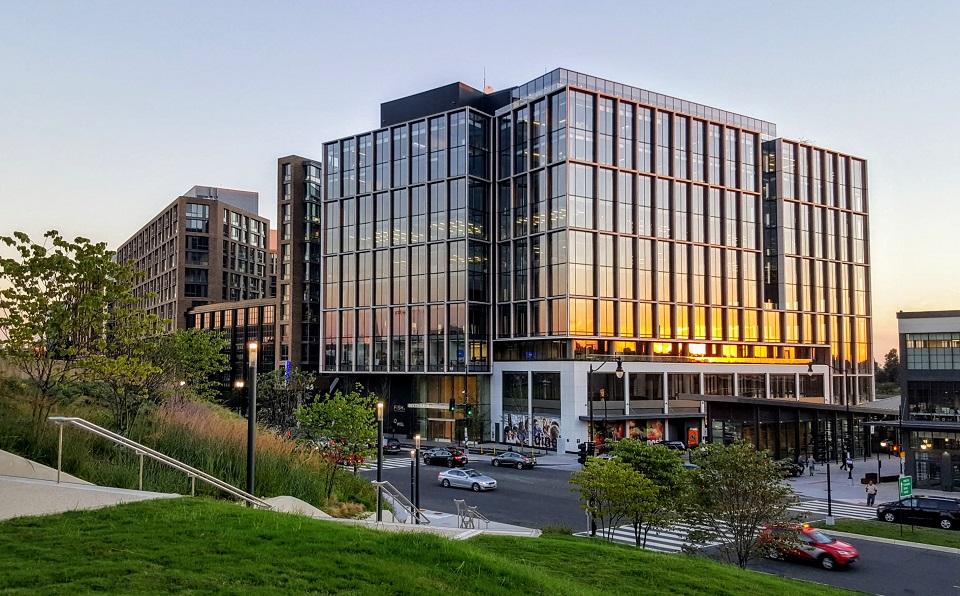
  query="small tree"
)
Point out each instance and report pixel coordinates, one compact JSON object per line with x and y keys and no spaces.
{"x":53,"y":311}
{"x":602,"y":485}
{"x":279,"y":398}
{"x":188,"y":361}
{"x":642,"y":507}
{"x":343,"y":427}
{"x":735,"y":491}
{"x":663,"y":467}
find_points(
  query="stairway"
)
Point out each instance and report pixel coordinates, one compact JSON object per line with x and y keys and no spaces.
{"x":30,"y":488}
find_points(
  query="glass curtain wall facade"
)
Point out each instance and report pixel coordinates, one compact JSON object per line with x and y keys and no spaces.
{"x":406,"y":251}
{"x":816,"y":259}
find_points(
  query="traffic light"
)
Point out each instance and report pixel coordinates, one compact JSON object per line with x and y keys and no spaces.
{"x":469,"y":411}
{"x":582,"y":456}
{"x":453,"y":404}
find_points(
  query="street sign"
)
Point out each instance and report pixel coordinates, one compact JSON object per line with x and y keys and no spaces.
{"x":906,"y":486}
{"x":287,"y":370}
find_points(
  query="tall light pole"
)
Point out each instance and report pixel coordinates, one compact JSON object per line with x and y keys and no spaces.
{"x":619,"y":373}
{"x":413,"y":459}
{"x":252,"y":348}
{"x":379,"y":459}
{"x":416,"y":491}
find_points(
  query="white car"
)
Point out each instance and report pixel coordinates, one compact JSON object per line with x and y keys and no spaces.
{"x":466,"y":478}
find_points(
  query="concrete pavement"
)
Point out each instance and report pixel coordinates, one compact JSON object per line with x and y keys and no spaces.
{"x":851,"y":491}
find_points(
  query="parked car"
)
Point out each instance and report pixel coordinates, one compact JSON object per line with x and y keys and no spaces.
{"x":466,"y":478}
{"x":923,"y":511}
{"x":391,"y":445}
{"x":806,"y":543}
{"x":676,"y":445}
{"x":452,"y":458}
{"x":789,"y":468}
{"x":688,"y":466}
{"x":513,"y":459}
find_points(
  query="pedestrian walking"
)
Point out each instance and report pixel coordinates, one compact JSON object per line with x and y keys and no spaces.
{"x":871,"y":493}
{"x":813,"y":462}
{"x":849,"y":463}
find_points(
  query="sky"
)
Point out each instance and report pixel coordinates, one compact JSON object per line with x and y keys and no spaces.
{"x":109,"y":110}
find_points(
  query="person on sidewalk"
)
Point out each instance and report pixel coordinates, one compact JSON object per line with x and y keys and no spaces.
{"x":871,"y":493}
{"x":849,"y":464}
{"x":813,"y":462}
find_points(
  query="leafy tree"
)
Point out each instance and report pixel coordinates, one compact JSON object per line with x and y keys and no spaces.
{"x":890,"y":371}
{"x":342,"y":426}
{"x":642,"y":507}
{"x":664,"y":469}
{"x":53,"y":311}
{"x":189,"y":361}
{"x":278,"y":399}
{"x":602,"y":485}
{"x":736,"y":490}
{"x":124,"y":363}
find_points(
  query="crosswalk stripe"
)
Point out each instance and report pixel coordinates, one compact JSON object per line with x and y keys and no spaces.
{"x":839,"y":509}
{"x":668,"y":540}
{"x":388,"y":464}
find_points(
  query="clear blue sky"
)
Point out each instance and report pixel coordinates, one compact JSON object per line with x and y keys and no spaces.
{"x":109,"y":110}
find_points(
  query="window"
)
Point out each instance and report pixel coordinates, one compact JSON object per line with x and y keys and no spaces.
{"x":198,"y":218}
{"x":581,"y":116}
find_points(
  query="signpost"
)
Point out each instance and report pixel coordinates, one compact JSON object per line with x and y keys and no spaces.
{"x":906,"y":486}
{"x":906,"y":490}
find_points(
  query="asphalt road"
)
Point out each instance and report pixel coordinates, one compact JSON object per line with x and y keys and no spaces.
{"x":530,"y":498}
{"x":885,"y":569}
{"x":542,"y":497}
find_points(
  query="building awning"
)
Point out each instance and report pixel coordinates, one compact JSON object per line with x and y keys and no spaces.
{"x":650,"y":416}
{"x":789,"y":403}
{"x":915,"y":425}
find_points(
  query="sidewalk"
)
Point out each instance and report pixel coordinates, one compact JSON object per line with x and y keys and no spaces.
{"x":851,"y":491}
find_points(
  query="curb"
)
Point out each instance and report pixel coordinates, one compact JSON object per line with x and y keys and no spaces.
{"x":908,"y":543}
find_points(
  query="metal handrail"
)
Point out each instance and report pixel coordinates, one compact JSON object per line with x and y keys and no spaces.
{"x":403,"y":501}
{"x":143,"y":450}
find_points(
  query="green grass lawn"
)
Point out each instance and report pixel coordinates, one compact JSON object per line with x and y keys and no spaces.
{"x":887,"y":530}
{"x":207,"y":546}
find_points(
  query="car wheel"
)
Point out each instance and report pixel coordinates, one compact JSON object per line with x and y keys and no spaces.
{"x":495,"y":463}
{"x":475,"y":487}
{"x":445,"y":483}
{"x":827,"y":562}
{"x":946,"y":523}
{"x":519,"y":466}
{"x":890,"y":517}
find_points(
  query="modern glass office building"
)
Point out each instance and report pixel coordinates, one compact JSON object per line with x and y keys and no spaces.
{"x":930,"y":397}
{"x":495,"y":249}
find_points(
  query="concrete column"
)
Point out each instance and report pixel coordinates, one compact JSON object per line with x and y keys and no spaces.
{"x":666,"y":394}
{"x":736,"y":384}
{"x":703,"y":389}
{"x":530,"y":408}
{"x":626,"y":395}
{"x":766,"y":384}
{"x":796,"y":385}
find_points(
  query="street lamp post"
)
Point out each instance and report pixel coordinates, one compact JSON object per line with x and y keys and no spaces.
{"x":413,"y":492}
{"x":416,"y":492}
{"x":618,"y":373}
{"x":379,"y":460}
{"x":252,"y":348}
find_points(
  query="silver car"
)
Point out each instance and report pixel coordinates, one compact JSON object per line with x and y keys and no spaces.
{"x":466,"y":478}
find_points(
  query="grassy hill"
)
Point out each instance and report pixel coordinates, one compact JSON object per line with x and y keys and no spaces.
{"x":207,"y":546}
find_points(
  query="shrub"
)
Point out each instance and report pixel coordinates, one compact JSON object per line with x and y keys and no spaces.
{"x":204,"y":436}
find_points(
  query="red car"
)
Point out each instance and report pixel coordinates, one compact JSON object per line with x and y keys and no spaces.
{"x":806,"y":543}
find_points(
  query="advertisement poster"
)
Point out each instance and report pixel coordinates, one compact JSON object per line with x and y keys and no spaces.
{"x":650,"y":430}
{"x":517,"y":429}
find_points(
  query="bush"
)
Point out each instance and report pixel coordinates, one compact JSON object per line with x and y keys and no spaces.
{"x":204,"y":436}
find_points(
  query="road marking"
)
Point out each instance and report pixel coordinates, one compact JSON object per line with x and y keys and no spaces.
{"x":665,"y":540}
{"x":389,"y":463}
{"x":839,"y":509}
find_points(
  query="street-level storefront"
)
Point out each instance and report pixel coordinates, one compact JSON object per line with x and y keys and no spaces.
{"x":548,"y":404}
{"x":792,"y":428}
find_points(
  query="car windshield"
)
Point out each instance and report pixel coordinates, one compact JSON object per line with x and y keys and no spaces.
{"x":473,"y":473}
{"x":821,"y":538}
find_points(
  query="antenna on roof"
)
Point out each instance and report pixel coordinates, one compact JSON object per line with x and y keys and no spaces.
{"x":484,"y":77}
